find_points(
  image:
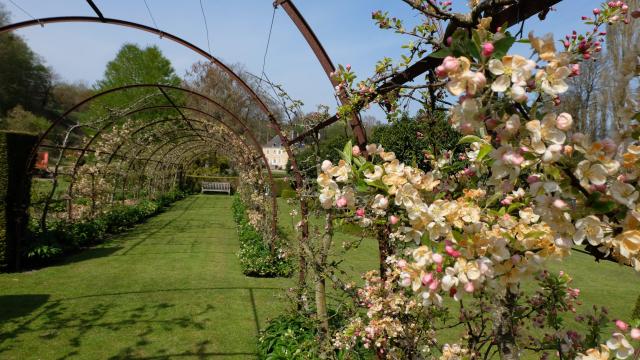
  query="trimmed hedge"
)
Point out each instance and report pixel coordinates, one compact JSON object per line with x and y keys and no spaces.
{"x":255,"y":258}
{"x":15,"y":188}
{"x":63,"y":237}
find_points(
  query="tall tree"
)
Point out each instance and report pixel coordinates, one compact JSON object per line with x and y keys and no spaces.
{"x":24,"y":79}
{"x":620,"y":80}
{"x":584,"y":99}
{"x":135,"y":65}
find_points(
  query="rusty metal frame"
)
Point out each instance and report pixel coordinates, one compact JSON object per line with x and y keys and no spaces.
{"x":325,"y":61}
{"x":247,"y":131}
{"x":510,"y":15}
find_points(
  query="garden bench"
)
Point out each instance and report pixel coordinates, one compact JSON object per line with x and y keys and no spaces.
{"x":216,"y":187}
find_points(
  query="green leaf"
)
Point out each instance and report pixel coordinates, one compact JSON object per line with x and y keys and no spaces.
{"x":346,"y":153}
{"x":442,"y":53}
{"x":468,"y":139}
{"x":502,"y":46}
{"x":534,"y":234}
{"x":485,"y":150}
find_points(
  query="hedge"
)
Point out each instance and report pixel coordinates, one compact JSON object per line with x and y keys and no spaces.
{"x":254,"y":255}
{"x":63,"y":237}
{"x":15,"y":188}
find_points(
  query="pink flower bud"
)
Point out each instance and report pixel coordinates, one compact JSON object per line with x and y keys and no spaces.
{"x":450,"y":64}
{"x":515,"y":259}
{"x":596,"y":11}
{"x":449,"y":41}
{"x":441,"y":72}
{"x":469,"y":287}
{"x":341,"y":202}
{"x":326,"y":165}
{"x":566,"y":43}
{"x":434,"y":285}
{"x":513,"y":158}
{"x":560,"y":204}
{"x":356,"y":150}
{"x":506,"y":201}
{"x":487,"y":49}
{"x":532,"y":179}
{"x":574,"y":292}
{"x":601,"y":188}
{"x":480,"y":80}
{"x":360,"y":212}
{"x":575,"y":69}
{"x":468,"y":172}
{"x":564,"y":121}
{"x":491,"y":123}
{"x":393,"y":219}
{"x":451,"y":251}
{"x":437,"y":258}
{"x":402,"y":263}
{"x":635,"y":334}
{"x":348,"y":67}
{"x":467,"y":128}
{"x":623,"y":326}
{"x":427,"y":278}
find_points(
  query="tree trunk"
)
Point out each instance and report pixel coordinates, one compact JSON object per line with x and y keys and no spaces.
{"x":506,"y":327}
{"x":384,"y":249}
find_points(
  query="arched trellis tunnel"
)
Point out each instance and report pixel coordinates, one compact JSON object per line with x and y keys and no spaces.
{"x":235,"y":78}
{"x":195,"y":130}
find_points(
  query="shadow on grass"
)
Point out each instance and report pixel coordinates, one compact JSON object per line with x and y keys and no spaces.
{"x":64,"y":327}
{"x":15,"y":306}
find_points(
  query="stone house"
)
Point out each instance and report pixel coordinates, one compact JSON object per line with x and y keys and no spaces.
{"x":275,"y":153}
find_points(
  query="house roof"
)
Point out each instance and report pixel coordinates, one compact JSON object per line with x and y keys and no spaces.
{"x":274,"y":142}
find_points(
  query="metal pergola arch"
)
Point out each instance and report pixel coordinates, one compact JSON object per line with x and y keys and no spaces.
{"x":246,"y":130}
{"x":305,"y":29}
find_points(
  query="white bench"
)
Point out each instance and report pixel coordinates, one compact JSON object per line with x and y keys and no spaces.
{"x":216,"y":187}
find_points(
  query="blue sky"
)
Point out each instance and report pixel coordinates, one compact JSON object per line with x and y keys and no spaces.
{"x":238,"y":33}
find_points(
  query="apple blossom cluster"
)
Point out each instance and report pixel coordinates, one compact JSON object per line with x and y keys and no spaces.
{"x":533,"y":189}
{"x":395,"y":322}
{"x":620,"y":345}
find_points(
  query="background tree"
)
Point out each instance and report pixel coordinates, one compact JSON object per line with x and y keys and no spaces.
{"x":135,"y":65}
{"x":410,"y":138}
{"x":25,"y":79}
{"x":621,"y":93}
{"x":585,"y":99}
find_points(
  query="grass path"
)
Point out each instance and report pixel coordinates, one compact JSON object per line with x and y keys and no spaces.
{"x":169,"y":288}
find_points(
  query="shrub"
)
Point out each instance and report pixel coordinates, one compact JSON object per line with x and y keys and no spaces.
{"x":63,"y":237}
{"x":288,"y":336}
{"x":254,"y":254}
{"x":288,"y":194}
{"x":294,"y":336}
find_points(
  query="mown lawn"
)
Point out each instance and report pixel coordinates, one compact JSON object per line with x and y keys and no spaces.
{"x":173,"y":288}
{"x":169,"y":288}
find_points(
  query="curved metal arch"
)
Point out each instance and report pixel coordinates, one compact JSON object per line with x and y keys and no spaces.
{"x":244,"y":126}
{"x":276,"y":126}
{"x":186,"y":154}
{"x":137,"y":26}
{"x":162,"y":86}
